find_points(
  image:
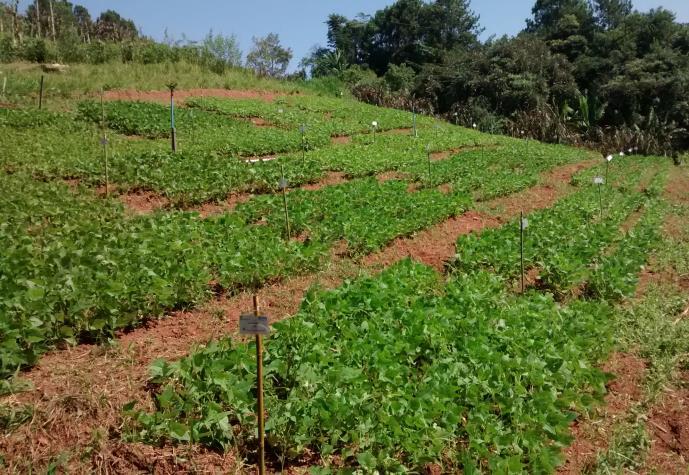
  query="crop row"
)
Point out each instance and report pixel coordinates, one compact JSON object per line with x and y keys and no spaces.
{"x":65,"y":148}
{"x":562,"y":263}
{"x":394,"y":372}
{"x":198,"y":130}
{"x":75,"y":268}
{"x":80,"y":268}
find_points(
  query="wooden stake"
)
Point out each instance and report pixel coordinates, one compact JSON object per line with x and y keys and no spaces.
{"x":607,"y":168}
{"x":173,"y":131}
{"x":430,"y":177}
{"x":105,"y":144}
{"x":303,"y":144}
{"x":260,"y":409}
{"x":283,"y":185}
{"x":40,"y":95}
{"x":521,"y":244}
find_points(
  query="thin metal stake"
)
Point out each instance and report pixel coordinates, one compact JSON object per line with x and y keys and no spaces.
{"x":40,"y":96}
{"x":521,"y":244}
{"x":303,"y":146}
{"x":600,"y":197}
{"x":607,"y":167}
{"x":413,"y":117}
{"x":173,"y":130}
{"x":105,"y":144}
{"x":430,"y":177}
{"x":260,"y":409}
{"x":283,"y":185}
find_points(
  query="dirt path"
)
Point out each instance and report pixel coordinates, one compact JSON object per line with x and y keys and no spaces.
{"x":79,"y":392}
{"x":591,"y":436}
{"x":668,"y":420}
{"x":668,"y":425}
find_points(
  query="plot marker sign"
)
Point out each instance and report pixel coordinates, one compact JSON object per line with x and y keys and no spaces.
{"x":257,"y":325}
{"x":250,"y":324}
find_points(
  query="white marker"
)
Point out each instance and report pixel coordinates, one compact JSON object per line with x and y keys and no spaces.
{"x":609,"y":158}
{"x":525,"y":223}
{"x":599,"y":180}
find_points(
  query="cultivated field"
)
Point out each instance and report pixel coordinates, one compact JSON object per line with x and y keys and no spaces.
{"x":385,"y":249}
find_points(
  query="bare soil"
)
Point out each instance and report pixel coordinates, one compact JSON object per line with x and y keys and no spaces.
{"x":399,"y":131}
{"x":341,"y":139}
{"x":554,"y":184}
{"x":330,"y":179}
{"x":182,"y":95}
{"x":677,"y":188}
{"x":445,"y":188}
{"x":391,"y":175}
{"x":591,"y":436}
{"x":143,"y":202}
{"x":668,"y":425}
{"x":213,"y":208}
{"x":433,"y":246}
{"x":260,"y":122}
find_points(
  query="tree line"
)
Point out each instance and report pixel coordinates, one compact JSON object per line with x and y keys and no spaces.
{"x":60,"y":31}
{"x":590,"y":72}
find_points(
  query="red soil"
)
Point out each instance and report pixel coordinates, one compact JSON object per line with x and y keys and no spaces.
{"x":591,"y":436}
{"x":341,"y":139}
{"x":330,"y":179}
{"x":143,"y":202}
{"x":668,"y":424}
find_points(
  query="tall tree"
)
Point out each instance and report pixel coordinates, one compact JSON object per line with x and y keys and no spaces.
{"x":548,"y":14}
{"x":268,"y":57}
{"x":111,"y":26}
{"x":83,"y":21}
{"x":611,"y":13}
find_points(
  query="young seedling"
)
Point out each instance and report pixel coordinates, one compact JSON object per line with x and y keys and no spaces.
{"x":283,"y":187}
{"x":173,"y":132}
{"x":257,"y":325}
{"x":104,"y":143}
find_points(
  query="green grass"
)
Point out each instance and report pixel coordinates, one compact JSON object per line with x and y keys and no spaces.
{"x":81,"y":80}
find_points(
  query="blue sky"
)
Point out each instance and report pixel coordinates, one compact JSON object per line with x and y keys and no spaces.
{"x":300,"y":23}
